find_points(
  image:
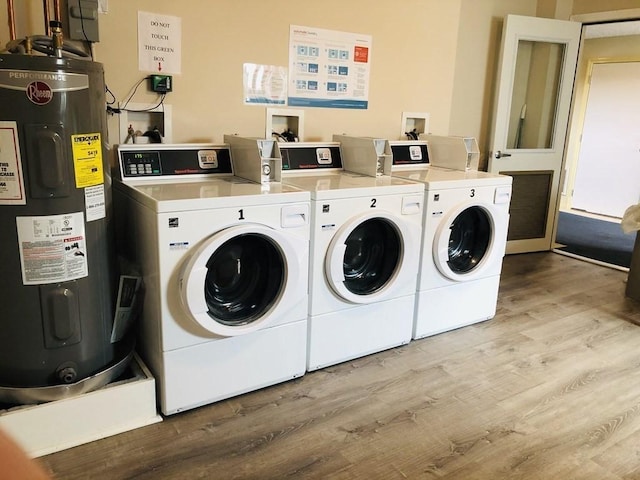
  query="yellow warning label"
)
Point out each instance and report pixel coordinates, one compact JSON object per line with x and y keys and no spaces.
{"x":87,"y":159}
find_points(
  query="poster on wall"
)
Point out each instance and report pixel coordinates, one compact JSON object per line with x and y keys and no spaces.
{"x":264,"y":84}
{"x":328,"y":68}
{"x":159,"y":43}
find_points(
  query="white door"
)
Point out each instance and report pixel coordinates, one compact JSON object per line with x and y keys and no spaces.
{"x":469,"y":240}
{"x":367,"y":256}
{"x":533,"y":96}
{"x":241,"y":279}
{"x":608,"y":171}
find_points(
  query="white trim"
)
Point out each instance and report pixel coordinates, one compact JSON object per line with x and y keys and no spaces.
{"x":590,"y":260}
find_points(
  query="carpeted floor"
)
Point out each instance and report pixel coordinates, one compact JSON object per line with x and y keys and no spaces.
{"x":596,"y":239}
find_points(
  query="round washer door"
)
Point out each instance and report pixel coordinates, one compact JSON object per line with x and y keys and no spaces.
{"x":238,"y":280}
{"x":366,"y":256}
{"x":465,"y":242}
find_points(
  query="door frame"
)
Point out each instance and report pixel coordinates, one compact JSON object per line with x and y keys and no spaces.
{"x":574,"y":152}
{"x":576,"y":112}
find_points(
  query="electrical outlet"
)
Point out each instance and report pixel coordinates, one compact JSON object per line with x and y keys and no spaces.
{"x":161,"y":83}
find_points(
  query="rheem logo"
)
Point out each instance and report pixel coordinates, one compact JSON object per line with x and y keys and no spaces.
{"x":39,"y":93}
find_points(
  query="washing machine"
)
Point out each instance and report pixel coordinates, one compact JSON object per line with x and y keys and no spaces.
{"x":225,"y":268}
{"x":365,"y":239}
{"x":466,"y":217}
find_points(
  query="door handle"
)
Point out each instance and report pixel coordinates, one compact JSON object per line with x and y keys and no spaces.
{"x":499,"y":154}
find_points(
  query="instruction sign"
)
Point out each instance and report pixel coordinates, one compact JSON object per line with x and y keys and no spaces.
{"x":87,"y":159}
{"x":264,"y":84}
{"x":52,"y":248}
{"x":159,"y":43}
{"x":328,"y":68}
{"x":11,"y":179}
{"x":95,"y":203}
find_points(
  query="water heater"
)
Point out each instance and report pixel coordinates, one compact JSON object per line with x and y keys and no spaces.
{"x":58,"y":279}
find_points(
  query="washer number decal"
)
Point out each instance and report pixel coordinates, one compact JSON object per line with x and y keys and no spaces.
{"x":473,"y":193}
{"x":373,"y":203}
{"x":241,"y":212}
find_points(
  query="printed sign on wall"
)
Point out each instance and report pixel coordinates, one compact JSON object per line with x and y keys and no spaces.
{"x":328,"y":68}
{"x":264,"y":84}
{"x":159,"y":43}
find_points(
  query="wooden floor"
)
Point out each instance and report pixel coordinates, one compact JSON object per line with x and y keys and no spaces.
{"x":548,"y":389}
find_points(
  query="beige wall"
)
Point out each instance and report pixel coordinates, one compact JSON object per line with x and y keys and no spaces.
{"x":216,"y":41}
{"x":475,"y":67}
{"x":594,"y":6}
{"x":431,"y":56}
{"x":479,"y":38}
{"x":413,"y":59}
{"x":415,"y":45}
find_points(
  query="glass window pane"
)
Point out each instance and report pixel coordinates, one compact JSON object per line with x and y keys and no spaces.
{"x":245,"y":277}
{"x":372,"y":256}
{"x":535,"y":94}
{"x":469,"y":239}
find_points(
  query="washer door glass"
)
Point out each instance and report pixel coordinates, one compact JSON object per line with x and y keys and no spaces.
{"x":371,"y":257}
{"x":469,"y":239}
{"x":245,"y":277}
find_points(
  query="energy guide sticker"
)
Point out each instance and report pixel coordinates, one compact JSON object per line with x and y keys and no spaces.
{"x":52,"y":248}
{"x":11,"y":179}
{"x":87,"y":159}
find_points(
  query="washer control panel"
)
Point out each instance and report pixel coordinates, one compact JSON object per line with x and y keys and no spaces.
{"x":144,"y":161}
{"x":408,"y":152}
{"x":308,"y":156}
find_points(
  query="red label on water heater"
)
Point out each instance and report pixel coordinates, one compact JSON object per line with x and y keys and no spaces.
{"x":39,"y":93}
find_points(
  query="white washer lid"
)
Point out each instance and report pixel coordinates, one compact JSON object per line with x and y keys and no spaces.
{"x":347,"y":184}
{"x":210,"y":193}
{"x":443,"y":178}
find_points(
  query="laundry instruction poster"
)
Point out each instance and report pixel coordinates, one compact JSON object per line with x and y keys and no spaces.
{"x":328,"y":68}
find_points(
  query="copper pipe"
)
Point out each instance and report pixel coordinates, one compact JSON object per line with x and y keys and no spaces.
{"x":56,"y":11}
{"x":11,"y":16}
{"x":46,"y":6}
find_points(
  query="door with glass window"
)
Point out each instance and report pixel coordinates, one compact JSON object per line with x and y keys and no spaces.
{"x":532,"y":101}
{"x":240,"y":279}
{"x":464,"y":242}
{"x":366,"y":256}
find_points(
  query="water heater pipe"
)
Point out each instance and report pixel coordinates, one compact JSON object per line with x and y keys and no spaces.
{"x":12,"y":20}
{"x":46,"y":6}
{"x":56,"y":11}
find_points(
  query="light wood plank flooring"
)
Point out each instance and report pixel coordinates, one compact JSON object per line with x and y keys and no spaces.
{"x":548,"y":389}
